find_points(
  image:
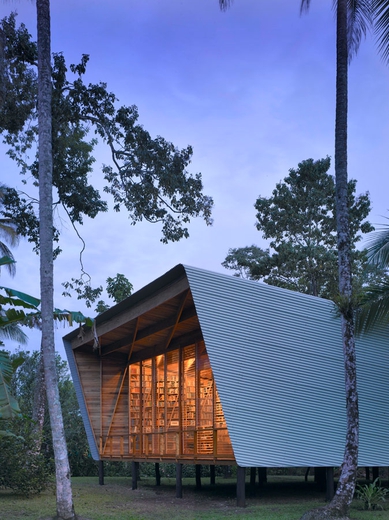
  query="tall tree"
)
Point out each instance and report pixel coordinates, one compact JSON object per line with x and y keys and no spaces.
{"x":148,"y":177}
{"x":353,"y":18}
{"x":299,"y":218}
{"x":64,"y":498}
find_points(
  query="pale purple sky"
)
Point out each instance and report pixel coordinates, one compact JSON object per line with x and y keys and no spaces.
{"x":251,"y":89}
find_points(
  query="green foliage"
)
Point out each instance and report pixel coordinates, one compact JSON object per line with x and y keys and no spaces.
{"x":24,"y":383}
{"x":148,"y":177}
{"x":119,"y":288}
{"x":9,"y":235}
{"x":9,"y":406}
{"x":299,"y":219}
{"x":13,"y":306}
{"x":372,"y":494}
{"x":21,"y":469}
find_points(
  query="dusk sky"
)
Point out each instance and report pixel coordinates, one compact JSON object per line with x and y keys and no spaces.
{"x":252,"y":90}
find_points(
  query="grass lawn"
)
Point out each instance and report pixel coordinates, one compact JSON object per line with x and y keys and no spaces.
{"x":282,"y":498}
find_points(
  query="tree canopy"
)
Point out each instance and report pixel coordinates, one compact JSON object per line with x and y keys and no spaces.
{"x":146,"y":176}
{"x":299,"y":219}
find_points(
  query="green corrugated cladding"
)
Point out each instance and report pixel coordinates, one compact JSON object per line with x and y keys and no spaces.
{"x":277,"y":360}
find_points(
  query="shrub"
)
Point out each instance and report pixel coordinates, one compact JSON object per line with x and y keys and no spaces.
{"x":372,"y":494}
{"x":21,"y":469}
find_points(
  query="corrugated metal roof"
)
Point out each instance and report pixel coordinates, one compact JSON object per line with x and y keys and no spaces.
{"x":277,"y":360}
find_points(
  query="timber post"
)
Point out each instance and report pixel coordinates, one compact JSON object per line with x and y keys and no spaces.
{"x":157,"y":474}
{"x":240,"y":486}
{"x":198,"y":476}
{"x":253,"y":475}
{"x":330,"y":485}
{"x":134,"y":474}
{"x":101,"y":472}
{"x":178,"y":480}
{"x":262,"y":476}
{"x":212,"y":474}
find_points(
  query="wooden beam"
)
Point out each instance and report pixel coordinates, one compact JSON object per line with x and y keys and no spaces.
{"x":133,"y":338}
{"x":182,"y":341}
{"x":136,"y":310}
{"x":148,"y":331}
{"x":177,"y":318}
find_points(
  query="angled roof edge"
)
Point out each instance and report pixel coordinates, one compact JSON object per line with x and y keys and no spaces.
{"x":159,"y":283}
{"x":80,"y":399}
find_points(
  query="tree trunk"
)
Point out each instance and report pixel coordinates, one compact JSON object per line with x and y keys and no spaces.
{"x":39,"y":405}
{"x":340,"y":504}
{"x":346,"y":485}
{"x":65,"y":510}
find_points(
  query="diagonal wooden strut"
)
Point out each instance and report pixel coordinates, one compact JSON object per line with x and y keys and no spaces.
{"x":177,"y":320}
{"x":123,"y":376}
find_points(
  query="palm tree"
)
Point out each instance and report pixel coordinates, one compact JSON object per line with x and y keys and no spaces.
{"x":353,"y":18}
{"x":8,"y":234}
{"x":374,"y":309}
{"x":65,"y":508}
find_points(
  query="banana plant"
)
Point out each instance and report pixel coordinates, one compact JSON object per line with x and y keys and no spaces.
{"x":9,"y":406}
{"x":16,"y":309}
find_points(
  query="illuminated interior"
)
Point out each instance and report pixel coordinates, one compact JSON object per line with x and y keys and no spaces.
{"x":174,"y":410}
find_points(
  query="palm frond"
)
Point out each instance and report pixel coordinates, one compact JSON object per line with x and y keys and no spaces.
{"x":8,"y":231}
{"x":5,"y":252}
{"x":8,"y":404}
{"x":305,"y":4}
{"x":380,"y":10}
{"x":378,"y":247}
{"x":360,"y":20}
{"x":225,"y":4}
{"x":13,"y":332}
{"x":374,"y":309}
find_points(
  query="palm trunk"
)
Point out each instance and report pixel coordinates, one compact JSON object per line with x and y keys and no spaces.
{"x":65,"y":510}
{"x":340,"y":504}
{"x":346,"y":485}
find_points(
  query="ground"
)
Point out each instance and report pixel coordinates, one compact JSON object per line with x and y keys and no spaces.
{"x":280,"y":499}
